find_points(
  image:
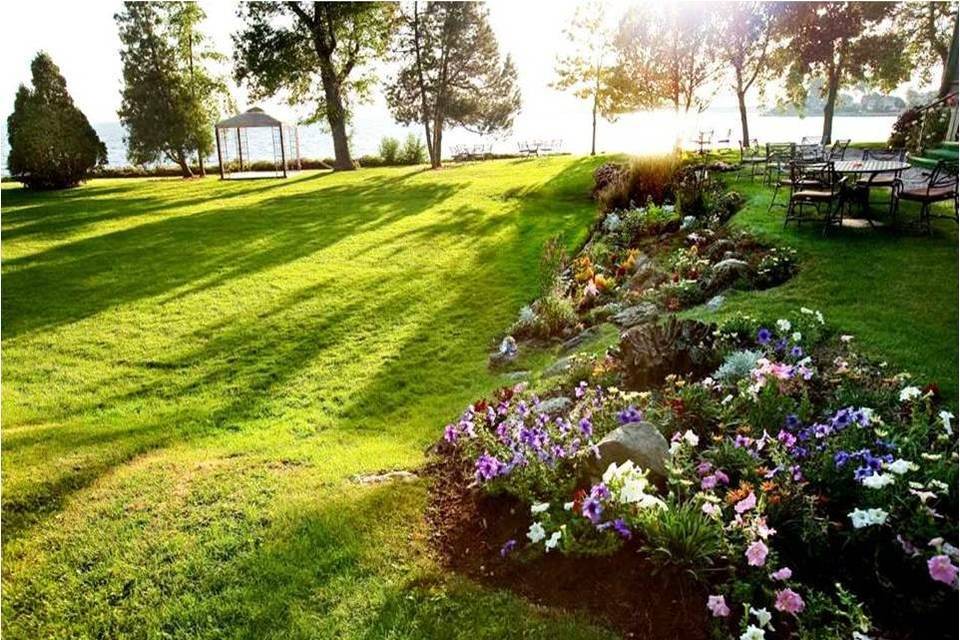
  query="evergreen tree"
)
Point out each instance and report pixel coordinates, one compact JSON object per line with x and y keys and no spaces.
{"x":451,"y":73}
{"x":314,"y":51}
{"x":52,"y":145}
{"x":171,"y":100}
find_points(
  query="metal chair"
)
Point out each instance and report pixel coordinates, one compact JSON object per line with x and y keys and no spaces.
{"x":838,"y":149}
{"x":750,"y":156}
{"x":940,"y":185}
{"x":815,"y":184}
{"x":777,"y":167}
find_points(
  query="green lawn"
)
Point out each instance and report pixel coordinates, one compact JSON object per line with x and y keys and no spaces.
{"x":193,"y":371}
{"x":895,"y":292}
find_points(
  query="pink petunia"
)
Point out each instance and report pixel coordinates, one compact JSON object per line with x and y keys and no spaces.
{"x":756,"y":554}
{"x":782,"y":574}
{"x":708,"y":482}
{"x":718,"y":606}
{"x":746,"y":504}
{"x":789,"y":601}
{"x":942,"y":569}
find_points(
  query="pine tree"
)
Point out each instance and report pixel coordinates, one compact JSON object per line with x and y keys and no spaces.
{"x":451,"y":73}
{"x":170,"y":99}
{"x":52,"y":145}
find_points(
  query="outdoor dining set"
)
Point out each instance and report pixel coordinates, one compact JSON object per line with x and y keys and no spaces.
{"x":527,"y":148}
{"x":825,"y":183}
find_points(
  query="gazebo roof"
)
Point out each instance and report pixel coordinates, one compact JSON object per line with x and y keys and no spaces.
{"x":252,"y":118}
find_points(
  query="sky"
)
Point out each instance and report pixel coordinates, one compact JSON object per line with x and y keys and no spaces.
{"x":81,"y":37}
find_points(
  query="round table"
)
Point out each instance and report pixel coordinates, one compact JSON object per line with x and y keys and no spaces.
{"x":872,"y":169}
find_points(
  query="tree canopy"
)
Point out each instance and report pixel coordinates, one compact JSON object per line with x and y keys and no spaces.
{"x":170,"y":99}
{"x":451,"y":73}
{"x":845,"y":44}
{"x":667,"y":55}
{"x":52,"y":145}
{"x":314,"y":51}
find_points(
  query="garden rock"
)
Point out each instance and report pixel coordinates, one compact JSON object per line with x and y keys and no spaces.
{"x":506,"y":353}
{"x":715,"y":302}
{"x":643,"y":312}
{"x":720,"y":248}
{"x":390,"y":476}
{"x":554,"y":405}
{"x":578,"y":339}
{"x":640,"y":442}
{"x":728,"y":271}
{"x":517,"y":375}
{"x":557,"y":368}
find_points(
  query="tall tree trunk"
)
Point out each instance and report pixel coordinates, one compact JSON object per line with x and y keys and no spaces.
{"x":203,"y":172}
{"x":422,"y":86}
{"x":437,"y":141}
{"x":184,"y":164}
{"x":593,"y":138}
{"x":336,"y":117}
{"x":744,"y":129}
{"x":949,"y":77}
{"x":832,"y":89}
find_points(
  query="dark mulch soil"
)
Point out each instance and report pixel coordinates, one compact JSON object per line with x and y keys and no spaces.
{"x":468,"y":528}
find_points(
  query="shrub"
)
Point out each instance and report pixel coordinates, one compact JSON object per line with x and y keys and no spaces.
{"x":52,"y":145}
{"x":389,"y":150}
{"x":682,"y":537}
{"x":605,"y":174}
{"x":413,"y":151}
{"x":645,"y":178}
{"x":647,"y":221}
{"x":737,"y":366}
{"x":555,"y":314}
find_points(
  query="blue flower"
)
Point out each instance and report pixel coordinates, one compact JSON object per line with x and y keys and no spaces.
{"x":592,"y":510}
{"x":586,"y":427}
{"x":841,"y":458}
{"x":763,"y":336}
{"x":630,"y":414}
{"x":507,"y":547}
{"x":621,"y":528}
{"x":793,"y":422}
{"x":796,"y":352}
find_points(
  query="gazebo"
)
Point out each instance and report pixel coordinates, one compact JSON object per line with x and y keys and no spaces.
{"x":233,"y":135}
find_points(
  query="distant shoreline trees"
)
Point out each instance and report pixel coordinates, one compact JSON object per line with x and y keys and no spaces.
{"x":170,"y":101}
{"x":52,"y":145}
{"x":316,"y":51}
{"x":451,"y":73}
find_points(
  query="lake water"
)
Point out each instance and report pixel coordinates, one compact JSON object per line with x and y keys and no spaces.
{"x":645,"y":132}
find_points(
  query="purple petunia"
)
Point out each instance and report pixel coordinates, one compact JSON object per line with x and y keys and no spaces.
{"x":586,"y":427}
{"x":622,"y":529}
{"x":488,"y":467}
{"x":507,"y":547}
{"x":763,"y":336}
{"x":630,"y":414}
{"x":592,"y":510}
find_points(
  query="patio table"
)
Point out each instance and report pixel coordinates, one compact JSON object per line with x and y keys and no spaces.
{"x":871,"y":168}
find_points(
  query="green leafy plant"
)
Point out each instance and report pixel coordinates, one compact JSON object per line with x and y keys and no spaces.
{"x":389,"y":150}
{"x":681,"y":537}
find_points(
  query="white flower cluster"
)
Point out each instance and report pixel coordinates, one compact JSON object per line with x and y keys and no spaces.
{"x":628,"y":484}
{"x":866,"y":517}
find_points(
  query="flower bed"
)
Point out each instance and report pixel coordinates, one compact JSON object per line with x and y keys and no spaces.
{"x":779,"y":485}
{"x":643,"y":261}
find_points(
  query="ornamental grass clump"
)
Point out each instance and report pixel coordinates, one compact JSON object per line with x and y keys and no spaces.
{"x":645,"y":178}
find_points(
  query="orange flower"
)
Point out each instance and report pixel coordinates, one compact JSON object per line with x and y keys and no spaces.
{"x":736,"y":495}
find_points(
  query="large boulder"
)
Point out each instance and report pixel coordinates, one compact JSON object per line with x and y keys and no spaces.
{"x":637,"y":314}
{"x":640,"y":442}
{"x":650,"y":352}
{"x":728,"y":271}
{"x":553,"y":406}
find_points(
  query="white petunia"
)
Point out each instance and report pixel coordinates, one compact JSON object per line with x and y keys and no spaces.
{"x":901,"y":466}
{"x":568,"y":506}
{"x":878,"y":480}
{"x":861,"y":518}
{"x":783,"y":325}
{"x":819,"y":317}
{"x":753,"y":633}
{"x":691,"y":438}
{"x":909,"y":393}
{"x":947,"y":418}
{"x":763,"y":616}
{"x":539,"y":507}
{"x":553,"y":540}
{"x":536,"y":532}
{"x":796,"y":337}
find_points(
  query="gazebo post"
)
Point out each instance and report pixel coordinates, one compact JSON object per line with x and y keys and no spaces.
{"x":216,"y":131}
{"x":239,"y":149}
{"x":283,"y":152}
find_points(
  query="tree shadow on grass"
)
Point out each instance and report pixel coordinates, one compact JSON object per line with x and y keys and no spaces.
{"x":73,"y":281}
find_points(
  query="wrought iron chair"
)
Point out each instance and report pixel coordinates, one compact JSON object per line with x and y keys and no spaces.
{"x":751,"y":156}
{"x":816,"y":185}
{"x":940,"y":185}
{"x":838,"y":149}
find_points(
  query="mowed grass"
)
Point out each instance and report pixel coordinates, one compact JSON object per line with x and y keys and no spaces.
{"x":193,"y":372}
{"x":896,"y":292}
